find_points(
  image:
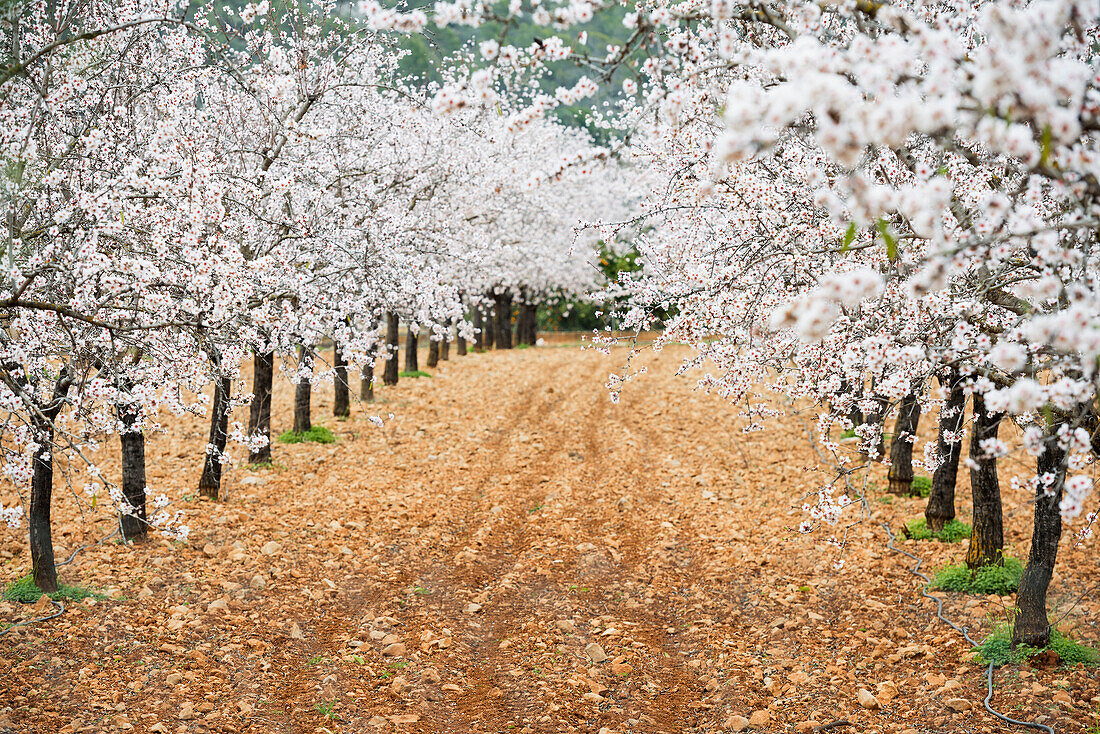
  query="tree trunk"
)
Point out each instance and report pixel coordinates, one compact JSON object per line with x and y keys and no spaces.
{"x":43,"y":567}
{"x":479,"y":330}
{"x":303,"y":392}
{"x":941,"y":501}
{"x":460,"y":344}
{"x":341,"y":403}
{"x":532,"y":323}
{"x":366,"y":382}
{"x":490,"y":325}
{"x":433,"y":352}
{"x":987,"y":536}
{"x":410,"y":350}
{"x":259,"y":412}
{"x":393,"y":350}
{"x":504,"y":320}
{"x":900,"y":474}
{"x":1031,"y":626}
{"x":133,"y":473}
{"x":211,"y":480}
{"x":445,"y":346}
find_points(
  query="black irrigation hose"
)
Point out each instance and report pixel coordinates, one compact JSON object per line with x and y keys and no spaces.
{"x":915,"y":570}
{"x":58,"y":613}
{"x":59,"y":605}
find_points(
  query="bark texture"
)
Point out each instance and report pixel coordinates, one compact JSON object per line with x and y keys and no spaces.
{"x":1032,"y":626}
{"x":445,"y":346}
{"x":987,"y":536}
{"x":43,"y":567}
{"x":940,"y":509}
{"x":393,"y":350}
{"x":900,"y":474}
{"x":210,"y":482}
{"x":460,"y":346}
{"x":341,"y":402}
{"x":504,"y":320}
{"x":433,"y":352}
{"x":410,"y":350}
{"x":259,"y":412}
{"x":366,"y":382}
{"x":134,"y":525}
{"x":303,"y":393}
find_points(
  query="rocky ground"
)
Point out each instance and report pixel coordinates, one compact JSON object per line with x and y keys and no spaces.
{"x":513,"y":552}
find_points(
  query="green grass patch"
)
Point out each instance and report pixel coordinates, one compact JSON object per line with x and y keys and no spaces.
{"x":24,"y":591}
{"x":414,"y":374}
{"x":850,"y":433}
{"x":953,"y":532}
{"x":317,"y":434}
{"x":1000,"y":580}
{"x":921,"y":486}
{"x":522,"y":346}
{"x":997,"y":649}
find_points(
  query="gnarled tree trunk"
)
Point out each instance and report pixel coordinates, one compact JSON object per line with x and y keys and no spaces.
{"x":43,"y":566}
{"x":259,"y":412}
{"x":987,"y":536}
{"x":303,"y":390}
{"x":460,"y":345}
{"x":900,"y":474}
{"x":445,"y":346}
{"x":1032,"y":626}
{"x":940,"y":509}
{"x":210,"y":482}
{"x":393,"y":350}
{"x":341,"y":402}
{"x":133,"y":472}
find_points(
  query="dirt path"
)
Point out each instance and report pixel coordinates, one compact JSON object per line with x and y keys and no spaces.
{"x":512,"y":552}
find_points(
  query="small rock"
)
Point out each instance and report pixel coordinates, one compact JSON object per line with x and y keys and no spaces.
{"x":451,"y":687}
{"x":187,"y":711}
{"x":1062,"y":697}
{"x":798,"y":678}
{"x":472,"y":608}
{"x":595,"y":653}
{"x":957,"y":704}
{"x":296,"y":632}
{"x":566,"y":625}
{"x":737,"y":723}
{"x":158,"y":728}
{"x":144,"y":594}
{"x":400,"y":685}
{"x":396,"y":649}
{"x":270,"y":548}
{"x":173,"y":679}
{"x":807,"y":725}
{"x":218,"y":605}
{"x":593,"y":697}
{"x":619,"y":666}
{"x":431,"y":675}
{"x":866,"y":700}
{"x":760,"y":718}
{"x":379,"y":721}
{"x":258,"y":582}
{"x":210,"y":550}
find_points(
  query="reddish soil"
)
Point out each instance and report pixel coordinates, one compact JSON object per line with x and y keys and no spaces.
{"x":455,"y":570}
